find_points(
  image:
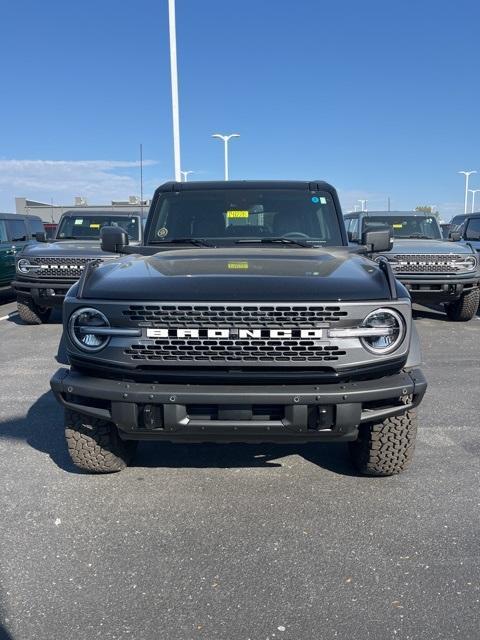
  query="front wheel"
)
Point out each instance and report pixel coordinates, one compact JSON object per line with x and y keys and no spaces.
{"x":465,"y":307}
{"x":385,"y":448}
{"x":30,"y":312}
{"x":94,"y":445}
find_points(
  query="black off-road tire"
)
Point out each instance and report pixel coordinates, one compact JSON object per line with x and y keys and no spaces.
{"x":385,"y":448}
{"x":30,"y":312}
{"x":464,"y":308}
{"x":94,"y":445}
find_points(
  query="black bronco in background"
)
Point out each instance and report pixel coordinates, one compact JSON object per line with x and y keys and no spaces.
{"x":434,"y":270}
{"x":246,"y":317}
{"x":46,"y":270}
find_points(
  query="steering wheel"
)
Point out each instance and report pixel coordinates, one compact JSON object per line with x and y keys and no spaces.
{"x":295,"y":234}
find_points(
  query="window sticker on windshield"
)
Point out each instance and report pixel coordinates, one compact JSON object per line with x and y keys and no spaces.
{"x":161,"y":233}
{"x":397,"y":226}
{"x":315,"y":200}
{"x":237,"y":214}
{"x":238,"y":265}
{"x":323,"y":200}
{"x":79,"y":221}
{"x":94,"y":225}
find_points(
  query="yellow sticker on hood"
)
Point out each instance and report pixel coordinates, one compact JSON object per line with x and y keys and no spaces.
{"x":237,"y":214}
{"x":238,"y":265}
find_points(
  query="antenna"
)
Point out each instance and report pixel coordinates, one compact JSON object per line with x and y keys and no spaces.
{"x":141,"y":177}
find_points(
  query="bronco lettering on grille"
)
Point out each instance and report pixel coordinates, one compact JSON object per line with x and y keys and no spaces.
{"x":318,"y":334}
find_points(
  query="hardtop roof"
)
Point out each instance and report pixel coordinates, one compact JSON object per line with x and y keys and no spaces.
{"x":18,"y":216}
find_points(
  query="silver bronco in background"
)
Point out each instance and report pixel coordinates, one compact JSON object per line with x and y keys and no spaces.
{"x":434,"y":270}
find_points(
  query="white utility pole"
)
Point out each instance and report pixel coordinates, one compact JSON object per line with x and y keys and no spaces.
{"x":363,"y":203}
{"x":473,"y":192}
{"x":467,"y":175}
{"x":174,"y":78}
{"x":185,"y":175}
{"x":225,"y":142}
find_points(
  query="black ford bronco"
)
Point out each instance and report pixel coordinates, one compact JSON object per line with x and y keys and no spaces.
{"x":434,"y":270}
{"x":246,"y":317}
{"x":46,"y":270}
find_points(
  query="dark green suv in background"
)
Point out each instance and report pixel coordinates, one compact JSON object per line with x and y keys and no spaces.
{"x":16,"y":231}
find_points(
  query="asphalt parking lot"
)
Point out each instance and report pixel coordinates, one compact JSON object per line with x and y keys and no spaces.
{"x":239,"y":542}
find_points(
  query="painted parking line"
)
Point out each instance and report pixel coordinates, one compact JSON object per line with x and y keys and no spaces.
{"x":10,"y":315}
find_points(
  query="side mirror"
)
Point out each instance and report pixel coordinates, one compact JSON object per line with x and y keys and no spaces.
{"x":113,"y":239}
{"x":352,"y":236}
{"x":454,"y":236}
{"x":41,"y":236}
{"x":378,"y":240}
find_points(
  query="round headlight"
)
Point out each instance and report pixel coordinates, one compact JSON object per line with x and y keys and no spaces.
{"x":469,"y":263}
{"x":386,"y":341}
{"x":23,"y":265}
{"x":85,"y":329}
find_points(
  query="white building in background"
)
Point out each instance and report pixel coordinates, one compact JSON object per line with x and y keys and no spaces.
{"x":52,"y":212}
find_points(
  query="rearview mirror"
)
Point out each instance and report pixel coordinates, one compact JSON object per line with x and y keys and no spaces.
{"x":113,"y":239}
{"x":378,"y":240}
{"x":41,"y":236}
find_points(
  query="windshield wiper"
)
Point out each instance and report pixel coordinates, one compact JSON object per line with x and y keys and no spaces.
{"x":198,"y":242}
{"x":418,"y":236}
{"x":280,"y":240}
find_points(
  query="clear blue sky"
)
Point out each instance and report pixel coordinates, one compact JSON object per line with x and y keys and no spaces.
{"x":380,"y":97}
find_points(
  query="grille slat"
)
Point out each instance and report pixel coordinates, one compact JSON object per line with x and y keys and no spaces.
{"x":241,"y":316}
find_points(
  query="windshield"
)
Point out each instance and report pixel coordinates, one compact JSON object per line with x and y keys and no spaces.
{"x":88,"y":227}
{"x":407,"y":226}
{"x":230,"y":216}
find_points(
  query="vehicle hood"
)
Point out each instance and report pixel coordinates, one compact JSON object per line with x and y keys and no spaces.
{"x":427,"y":246}
{"x":236,"y":274}
{"x":475,"y":244}
{"x":64,"y":248}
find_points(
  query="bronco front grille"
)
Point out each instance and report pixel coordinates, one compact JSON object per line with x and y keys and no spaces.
{"x":60,"y":268}
{"x":261,"y":349}
{"x":427,"y":263}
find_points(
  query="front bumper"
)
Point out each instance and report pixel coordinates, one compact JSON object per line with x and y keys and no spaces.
{"x":441,"y":288}
{"x":227,"y":413}
{"x":46,"y":293}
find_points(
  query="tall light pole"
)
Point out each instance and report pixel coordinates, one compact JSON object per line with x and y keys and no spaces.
{"x":174,"y":78}
{"x":185,"y":175}
{"x":363,"y":203}
{"x":473,"y":192}
{"x":467,"y":175}
{"x":225,"y":142}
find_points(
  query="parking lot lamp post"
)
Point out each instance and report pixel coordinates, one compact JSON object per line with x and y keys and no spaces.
{"x":185,"y":175}
{"x":225,"y":142}
{"x":467,"y":175}
{"x":174,"y":80}
{"x":473,"y":192}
